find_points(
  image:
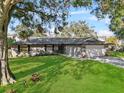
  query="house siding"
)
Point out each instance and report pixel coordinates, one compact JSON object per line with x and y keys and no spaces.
{"x":74,"y":51}
{"x":74,"y":47}
{"x":95,"y":50}
{"x":90,"y":50}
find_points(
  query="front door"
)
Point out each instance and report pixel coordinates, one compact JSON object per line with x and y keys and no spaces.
{"x":61,"y":49}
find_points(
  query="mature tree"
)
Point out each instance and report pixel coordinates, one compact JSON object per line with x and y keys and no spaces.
{"x":39,"y":31}
{"x":114,"y":9}
{"x":77,"y":29}
{"x":24,"y":32}
{"x":29,"y":12}
{"x":5,"y":10}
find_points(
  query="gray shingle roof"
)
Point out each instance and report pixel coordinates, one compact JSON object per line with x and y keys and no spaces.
{"x":56,"y":41}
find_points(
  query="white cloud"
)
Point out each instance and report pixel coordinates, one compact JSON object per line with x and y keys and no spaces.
{"x":79,"y":12}
{"x":107,"y":20}
{"x":106,"y":33}
{"x":93,"y":18}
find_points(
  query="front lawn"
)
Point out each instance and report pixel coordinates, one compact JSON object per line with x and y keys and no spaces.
{"x":59,"y":74}
{"x":116,"y":54}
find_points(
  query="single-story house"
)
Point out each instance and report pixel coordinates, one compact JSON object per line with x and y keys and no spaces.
{"x":75,"y":47}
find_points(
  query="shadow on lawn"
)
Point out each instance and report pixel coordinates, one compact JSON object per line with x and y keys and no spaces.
{"x":46,"y":63}
{"x":54,"y":66}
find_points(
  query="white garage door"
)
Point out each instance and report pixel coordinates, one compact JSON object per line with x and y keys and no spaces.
{"x":95,"y":50}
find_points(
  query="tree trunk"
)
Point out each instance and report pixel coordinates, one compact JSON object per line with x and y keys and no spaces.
{"x":6,"y":77}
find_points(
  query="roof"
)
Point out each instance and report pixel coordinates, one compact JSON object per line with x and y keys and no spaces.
{"x":57,"y":41}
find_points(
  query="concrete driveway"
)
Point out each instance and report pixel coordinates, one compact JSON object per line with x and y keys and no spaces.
{"x":112,"y":60}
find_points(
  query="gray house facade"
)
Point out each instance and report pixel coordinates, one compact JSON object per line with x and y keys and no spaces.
{"x":73,"y":47}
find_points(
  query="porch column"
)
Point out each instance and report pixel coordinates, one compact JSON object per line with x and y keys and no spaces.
{"x":19,"y":49}
{"x":52,"y":48}
{"x":29,"y":49}
{"x":45,"y":47}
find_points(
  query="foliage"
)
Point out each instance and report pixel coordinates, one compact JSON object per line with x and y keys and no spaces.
{"x":39,"y":31}
{"x":80,"y":3}
{"x":114,"y":9}
{"x":23,"y":31}
{"x":77,"y":29}
{"x":120,"y":33}
{"x":45,"y":12}
{"x":11,"y":41}
{"x":33,"y":12}
{"x":115,"y":54}
{"x":113,"y":40}
{"x":25,"y":34}
{"x":65,"y":75}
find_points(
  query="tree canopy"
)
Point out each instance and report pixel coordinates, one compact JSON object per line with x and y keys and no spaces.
{"x":77,"y":29}
{"x":45,"y":12}
{"x":34,"y":12}
{"x":23,"y":32}
{"x":114,"y":9}
{"x":113,"y":40}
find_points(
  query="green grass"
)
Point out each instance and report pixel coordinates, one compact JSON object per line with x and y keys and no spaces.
{"x":116,"y":54}
{"x":65,"y":75}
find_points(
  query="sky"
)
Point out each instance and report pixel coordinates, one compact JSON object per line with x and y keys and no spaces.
{"x":99,"y":26}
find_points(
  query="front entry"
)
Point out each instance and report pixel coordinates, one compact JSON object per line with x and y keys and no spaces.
{"x":61,"y":49}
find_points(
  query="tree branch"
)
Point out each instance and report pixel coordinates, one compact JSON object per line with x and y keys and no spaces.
{"x":9,"y":3}
{"x":14,"y":2}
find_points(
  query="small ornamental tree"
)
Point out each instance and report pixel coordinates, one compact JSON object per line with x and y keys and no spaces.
{"x":113,"y":40}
